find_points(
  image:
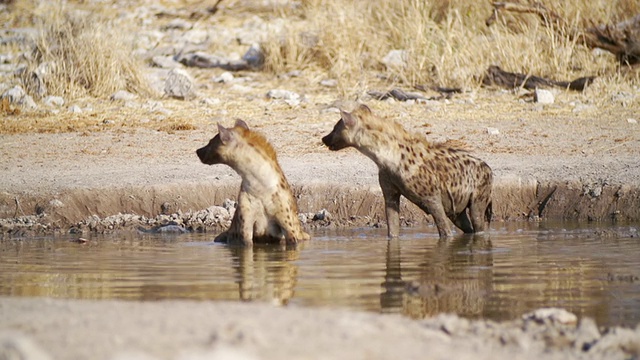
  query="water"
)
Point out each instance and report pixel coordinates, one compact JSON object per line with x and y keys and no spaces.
{"x":519,"y":267}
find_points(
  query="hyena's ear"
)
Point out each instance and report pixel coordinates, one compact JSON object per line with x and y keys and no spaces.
{"x":349,"y":119}
{"x":225,"y":134}
{"x":241,"y":123}
{"x":364,"y":108}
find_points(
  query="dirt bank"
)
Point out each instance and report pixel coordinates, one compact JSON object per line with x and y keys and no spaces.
{"x":57,"y":329}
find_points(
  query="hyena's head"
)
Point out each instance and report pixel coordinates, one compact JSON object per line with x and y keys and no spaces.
{"x":344,"y":132}
{"x":220,"y":149}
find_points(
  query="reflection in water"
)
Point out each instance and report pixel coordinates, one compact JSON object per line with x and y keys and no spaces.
{"x":265,"y":272}
{"x":453,"y":277}
{"x":591,"y":272}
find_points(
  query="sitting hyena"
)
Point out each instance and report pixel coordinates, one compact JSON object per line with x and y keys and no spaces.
{"x":267,"y":210}
{"x":441,"y":180}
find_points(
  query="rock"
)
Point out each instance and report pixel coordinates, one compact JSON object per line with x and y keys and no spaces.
{"x":254,"y":57}
{"x":543,"y":96}
{"x":329,"y":82}
{"x":122,"y":95}
{"x":53,"y":101}
{"x":321,"y":215}
{"x":302,"y":217}
{"x":165,"y":62}
{"x":396,"y":59}
{"x":587,"y":334}
{"x":179,"y":85}
{"x":225,"y":77}
{"x":195,"y":36}
{"x":289,"y":97}
{"x":75,"y":109}
{"x":493,"y":131}
{"x":15,"y":95}
{"x":551,"y":315}
{"x":632,"y":121}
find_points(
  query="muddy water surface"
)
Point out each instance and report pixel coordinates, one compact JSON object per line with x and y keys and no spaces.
{"x":518,"y":267}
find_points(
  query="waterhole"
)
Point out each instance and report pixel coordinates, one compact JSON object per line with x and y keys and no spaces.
{"x":518,"y":267}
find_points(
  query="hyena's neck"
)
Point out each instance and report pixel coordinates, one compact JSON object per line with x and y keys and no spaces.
{"x":385,"y":148}
{"x":260,"y":175}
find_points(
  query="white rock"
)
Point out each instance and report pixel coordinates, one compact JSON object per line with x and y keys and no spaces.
{"x":225,"y":77}
{"x":53,"y":101}
{"x":75,"y":109}
{"x":543,"y":96}
{"x":282,"y":94}
{"x":179,"y":84}
{"x":329,"y":82}
{"x":493,"y":131}
{"x":122,"y":95}
{"x":396,"y":59}
{"x":554,"y":315}
{"x":632,"y":121}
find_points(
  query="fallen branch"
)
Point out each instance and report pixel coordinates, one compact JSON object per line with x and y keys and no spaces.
{"x":498,"y":77}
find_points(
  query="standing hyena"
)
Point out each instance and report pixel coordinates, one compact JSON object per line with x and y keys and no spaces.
{"x":267,"y":210}
{"x":441,"y":180}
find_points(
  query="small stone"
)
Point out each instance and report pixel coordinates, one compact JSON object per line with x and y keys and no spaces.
{"x":543,"y":96}
{"x":321,"y":215}
{"x":165,"y":62}
{"x":75,"y":109}
{"x":226,"y":77}
{"x":632,"y":121}
{"x":53,"y":101}
{"x":122,"y":95}
{"x":329,"y":82}
{"x":254,"y":57}
{"x":289,"y":97}
{"x":493,"y":131}
{"x":396,"y":59}
{"x":553,"y":315}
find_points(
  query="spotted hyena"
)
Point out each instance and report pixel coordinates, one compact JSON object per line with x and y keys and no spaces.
{"x":267,"y":210}
{"x":442,"y":180}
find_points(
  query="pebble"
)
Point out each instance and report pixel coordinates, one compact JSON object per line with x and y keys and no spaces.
{"x":493,"y":131}
{"x":179,"y":85}
{"x":543,"y":96}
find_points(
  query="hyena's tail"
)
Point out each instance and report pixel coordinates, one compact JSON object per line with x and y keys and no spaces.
{"x":488,"y":212}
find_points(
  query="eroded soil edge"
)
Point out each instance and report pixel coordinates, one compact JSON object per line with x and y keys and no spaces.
{"x":102,"y":209}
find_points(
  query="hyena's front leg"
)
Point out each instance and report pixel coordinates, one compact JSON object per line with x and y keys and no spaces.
{"x":242,"y":224}
{"x":391,"y":205}
{"x":293,"y":232}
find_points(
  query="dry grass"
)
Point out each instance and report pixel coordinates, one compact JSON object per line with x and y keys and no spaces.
{"x":447,"y":42}
{"x":87,"y":55}
{"x":80,"y":54}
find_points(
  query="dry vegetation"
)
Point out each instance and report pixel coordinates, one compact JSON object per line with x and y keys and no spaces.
{"x":447,"y":42}
{"x":85,"y":49}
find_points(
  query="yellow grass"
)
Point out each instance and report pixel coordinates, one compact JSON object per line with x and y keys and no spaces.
{"x":82,"y":55}
{"x":447,"y":42}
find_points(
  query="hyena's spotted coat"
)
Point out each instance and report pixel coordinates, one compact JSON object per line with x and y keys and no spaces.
{"x":442,"y":180}
{"x":267,"y":210}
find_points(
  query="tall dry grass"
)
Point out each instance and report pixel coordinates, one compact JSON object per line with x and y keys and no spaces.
{"x":447,"y":42}
{"x":80,"y":54}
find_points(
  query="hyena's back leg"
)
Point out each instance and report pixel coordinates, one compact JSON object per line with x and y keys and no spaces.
{"x":434,"y":207}
{"x":478,"y":210}
{"x":463,"y":223}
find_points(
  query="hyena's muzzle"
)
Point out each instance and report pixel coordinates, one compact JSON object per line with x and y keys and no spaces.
{"x":335,"y":140}
{"x":208,"y":154}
